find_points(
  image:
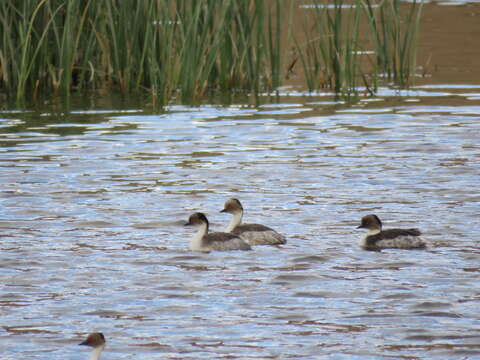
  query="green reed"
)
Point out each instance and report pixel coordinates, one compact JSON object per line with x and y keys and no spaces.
{"x":190,"y":48}
{"x":330,"y":53}
{"x":395,"y":28}
{"x":187,"y":50}
{"x":341,"y":37}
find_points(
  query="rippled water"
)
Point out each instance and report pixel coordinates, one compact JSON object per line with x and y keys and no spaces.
{"x":93,"y":202}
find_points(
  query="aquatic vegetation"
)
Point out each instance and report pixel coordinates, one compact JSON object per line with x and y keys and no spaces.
{"x":189,"y":50}
{"x":394,"y":31}
{"x":330,"y":54}
{"x":164,"y":47}
{"x":349,"y":42}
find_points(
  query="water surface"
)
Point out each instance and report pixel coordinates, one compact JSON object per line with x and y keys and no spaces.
{"x":93,"y":202}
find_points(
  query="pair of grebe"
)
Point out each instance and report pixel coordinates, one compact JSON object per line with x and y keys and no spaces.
{"x":238,"y":236}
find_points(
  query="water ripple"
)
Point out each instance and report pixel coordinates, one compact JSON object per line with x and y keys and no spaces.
{"x":94,"y":202}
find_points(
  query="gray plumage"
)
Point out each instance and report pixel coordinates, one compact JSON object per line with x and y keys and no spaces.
{"x":220,"y":241}
{"x":224,"y":241}
{"x":392,"y":238}
{"x":254,"y":234}
{"x":257,"y":234}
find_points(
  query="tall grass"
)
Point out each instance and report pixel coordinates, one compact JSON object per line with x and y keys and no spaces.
{"x":165,"y":47}
{"x":329,"y":54}
{"x":347,"y":42}
{"x":189,"y":49}
{"x":394,"y":32}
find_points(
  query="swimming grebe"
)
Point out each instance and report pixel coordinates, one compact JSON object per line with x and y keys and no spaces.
{"x":97,"y":342}
{"x":203,"y":241}
{"x":254,"y":234}
{"x":377,"y":238}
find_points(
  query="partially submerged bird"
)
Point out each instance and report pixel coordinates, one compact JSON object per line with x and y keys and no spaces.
{"x":377,"y":238}
{"x":254,"y":234}
{"x":97,"y":342}
{"x":204,"y":241}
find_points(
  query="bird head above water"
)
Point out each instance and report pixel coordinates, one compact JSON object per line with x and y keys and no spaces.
{"x":232,"y":206}
{"x":97,"y":342}
{"x":370,"y":222}
{"x":94,"y":340}
{"x":197,"y":219}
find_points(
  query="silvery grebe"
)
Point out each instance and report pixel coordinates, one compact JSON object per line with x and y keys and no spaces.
{"x":204,"y":241}
{"x":377,"y":238}
{"x":254,"y":234}
{"x":97,"y":342}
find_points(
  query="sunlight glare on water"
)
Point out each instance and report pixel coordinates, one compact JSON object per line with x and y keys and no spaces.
{"x":92,"y":239}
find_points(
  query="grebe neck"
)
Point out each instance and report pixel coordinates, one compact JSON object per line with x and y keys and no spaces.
{"x":197,"y":240}
{"x":235,"y":221}
{"x":96,"y":352}
{"x":373,"y":232}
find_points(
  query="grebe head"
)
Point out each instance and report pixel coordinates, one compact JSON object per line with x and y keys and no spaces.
{"x":232,"y":206}
{"x":94,"y":340}
{"x":370,"y":222}
{"x":197,"y":219}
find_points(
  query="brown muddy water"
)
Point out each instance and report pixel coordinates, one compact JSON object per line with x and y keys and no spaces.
{"x":91,"y":238}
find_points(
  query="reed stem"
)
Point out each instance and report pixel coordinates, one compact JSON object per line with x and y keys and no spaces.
{"x":192,"y":49}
